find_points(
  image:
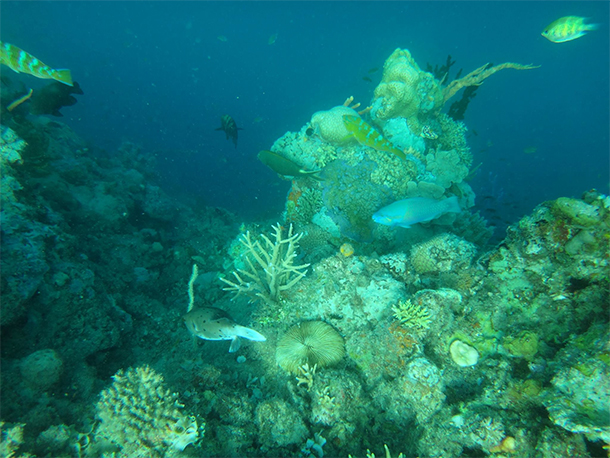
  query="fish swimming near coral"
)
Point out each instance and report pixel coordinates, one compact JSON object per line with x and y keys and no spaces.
{"x":54,"y":96}
{"x":211,"y":323}
{"x":405,"y":213}
{"x":228,"y":125}
{"x":567,"y":28}
{"x":367,"y":136}
{"x":22,"y":62}
{"x":284,"y":166}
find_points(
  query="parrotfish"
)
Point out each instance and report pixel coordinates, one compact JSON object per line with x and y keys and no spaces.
{"x":567,"y":28}
{"x":227,"y":123}
{"x":23,"y":62}
{"x":211,"y":323}
{"x":405,"y":213}
{"x":285,"y":167}
{"x":367,"y":136}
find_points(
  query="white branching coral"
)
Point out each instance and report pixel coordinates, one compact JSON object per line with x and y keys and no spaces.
{"x":270,"y":267}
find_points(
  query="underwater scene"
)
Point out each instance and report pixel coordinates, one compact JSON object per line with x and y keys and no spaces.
{"x":304,"y":229}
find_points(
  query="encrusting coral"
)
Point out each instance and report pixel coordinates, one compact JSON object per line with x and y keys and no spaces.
{"x":270,"y":268}
{"x":142,"y":418}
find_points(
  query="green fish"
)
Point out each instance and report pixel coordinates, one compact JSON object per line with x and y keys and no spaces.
{"x":272,"y":39}
{"x":285,"y":167}
{"x":567,"y":28}
{"x":368,"y":136}
{"x":22,"y":62}
{"x":222,"y":38}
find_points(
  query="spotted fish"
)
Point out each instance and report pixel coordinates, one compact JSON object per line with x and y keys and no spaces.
{"x":22,"y":62}
{"x":367,"y":136}
{"x":211,"y":323}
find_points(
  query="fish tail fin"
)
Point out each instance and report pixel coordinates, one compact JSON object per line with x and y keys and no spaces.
{"x":452,"y":205}
{"x":63,"y":76}
{"x":589,"y":27}
{"x":249,"y":334}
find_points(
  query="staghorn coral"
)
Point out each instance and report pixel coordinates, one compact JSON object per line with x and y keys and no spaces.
{"x":270,"y":268}
{"x":143,"y":418}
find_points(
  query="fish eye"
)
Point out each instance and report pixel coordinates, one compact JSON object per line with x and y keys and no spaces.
{"x":309,"y":132}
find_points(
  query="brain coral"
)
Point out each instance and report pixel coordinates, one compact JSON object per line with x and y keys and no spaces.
{"x":405,"y":90}
{"x":329,"y":125}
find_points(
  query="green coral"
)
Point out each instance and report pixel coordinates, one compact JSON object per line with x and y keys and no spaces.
{"x":524,"y":345}
{"x":577,"y":211}
{"x":414,"y":317}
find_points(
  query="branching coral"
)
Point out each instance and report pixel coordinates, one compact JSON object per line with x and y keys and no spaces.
{"x":476,"y":77}
{"x":413,"y":316}
{"x":270,"y":268}
{"x":142,"y":417}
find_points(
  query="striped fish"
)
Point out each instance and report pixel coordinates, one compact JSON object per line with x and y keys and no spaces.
{"x":22,"y":62}
{"x":367,"y":136}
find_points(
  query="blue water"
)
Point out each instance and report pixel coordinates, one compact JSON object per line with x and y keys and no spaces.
{"x":155,"y":73}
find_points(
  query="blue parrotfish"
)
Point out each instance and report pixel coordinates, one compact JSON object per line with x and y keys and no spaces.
{"x":22,"y":62}
{"x":368,"y":136}
{"x":229,"y":126}
{"x":211,"y":323}
{"x":567,"y":28}
{"x":407,"y":212}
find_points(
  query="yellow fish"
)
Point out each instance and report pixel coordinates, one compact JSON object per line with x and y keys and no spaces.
{"x":567,"y":28}
{"x":22,"y":62}
{"x":368,"y":136}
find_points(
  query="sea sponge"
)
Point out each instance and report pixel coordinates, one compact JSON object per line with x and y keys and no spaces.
{"x":330,"y":127}
{"x":311,"y":342}
{"x":406,"y":91}
{"x":142,"y":417}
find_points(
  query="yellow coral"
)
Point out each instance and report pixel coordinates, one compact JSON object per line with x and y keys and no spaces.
{"x":330,"y":127}
{"x":406,"y":90}
{"x":413,"y":316}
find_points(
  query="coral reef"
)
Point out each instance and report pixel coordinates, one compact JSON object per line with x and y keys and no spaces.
{"x":143,"y":418}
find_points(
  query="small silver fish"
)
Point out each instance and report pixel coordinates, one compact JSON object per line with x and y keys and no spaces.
{"x":211,"y":323}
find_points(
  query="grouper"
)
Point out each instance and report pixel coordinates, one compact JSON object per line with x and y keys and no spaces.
{"x":211,"y":323}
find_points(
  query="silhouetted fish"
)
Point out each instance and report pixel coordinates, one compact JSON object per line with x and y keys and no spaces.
{"x":52,"y":97}
{"x":211,"y":323}
{"x":227,"y":123}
